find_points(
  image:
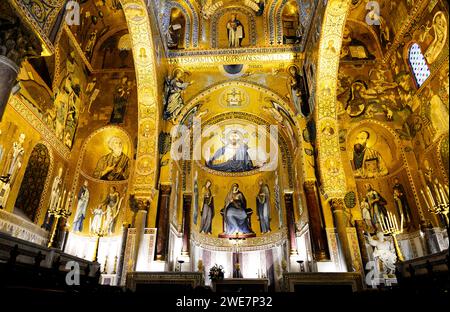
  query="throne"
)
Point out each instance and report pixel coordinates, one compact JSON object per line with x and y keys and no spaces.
{"x":249,"y":213}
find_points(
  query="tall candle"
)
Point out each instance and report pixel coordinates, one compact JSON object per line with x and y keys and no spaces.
{"x":425,"y":199}
{"x":63,"y":199}
{"x":396,"y":223}
{"x":443,"y":195}
{"x":59,"y":202}
{"x":391,"y":224}
{"x":383,"y":228}
{"x":430,"y":195}
{"x":438,"y":193}
{"x":67,"y":202}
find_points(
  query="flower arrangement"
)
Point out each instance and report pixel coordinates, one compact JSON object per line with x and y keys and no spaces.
{"x":216,"y":273}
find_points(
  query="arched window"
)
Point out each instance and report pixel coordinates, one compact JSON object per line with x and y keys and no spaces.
{"x":418,"y":64}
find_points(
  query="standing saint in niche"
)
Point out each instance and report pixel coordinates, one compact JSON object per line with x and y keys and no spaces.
{"x":235,"y":32}
{"x":401,"y":203}
{"x":83,"y":201}
{"x":263,"y":207}
{"x":207,"y":209}
{"x":298,"y":91}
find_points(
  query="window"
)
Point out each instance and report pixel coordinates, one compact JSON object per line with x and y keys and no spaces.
{"x":418,"y":64}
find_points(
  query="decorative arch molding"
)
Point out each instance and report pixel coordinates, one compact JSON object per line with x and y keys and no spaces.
{"x":332,"y":173}
{"x":278,"y":98}
{"x":243,"y":10}
{"x":271,"y":16}
{"x":144,"y":178}
{"x":196,"y":23}
{"x":166,"y":20}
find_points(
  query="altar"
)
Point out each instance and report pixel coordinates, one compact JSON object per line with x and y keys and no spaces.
{"x":241,"y":285}
{"x":163,"y":281}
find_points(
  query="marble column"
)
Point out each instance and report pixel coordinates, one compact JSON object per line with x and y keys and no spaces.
{"x":140,"y":224}
{"x":360,"y":225}
{"x":290,"y":222}
{"x":162,"y":222}
{"x":187,"y":201}
{"x":341,"y":222}
{"x":120,"y":264}
{"x":316,"y":222}
{"x":8,"y":75}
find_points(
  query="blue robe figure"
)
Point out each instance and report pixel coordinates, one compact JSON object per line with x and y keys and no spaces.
{"x":233,"y":157}
{"x":263,"y":207}
{"x":235,"y":213}
{"x":83,"y":201}
{"x":195,"y":198}
{"x":207,"y":209}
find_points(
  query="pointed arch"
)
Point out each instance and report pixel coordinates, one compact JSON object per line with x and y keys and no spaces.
{"x":332,"y":172}
{"x":33,"y":183}
{"x":144,"y":179}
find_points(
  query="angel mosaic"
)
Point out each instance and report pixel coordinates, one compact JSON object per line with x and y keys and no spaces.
{"x":173,"y":89}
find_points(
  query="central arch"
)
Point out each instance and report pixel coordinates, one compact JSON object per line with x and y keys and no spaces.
{"x":332,"y":172}
{"x":143,"y":182}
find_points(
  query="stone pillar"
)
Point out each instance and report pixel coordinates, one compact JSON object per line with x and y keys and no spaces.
{"x":162,"y":222}
{"x":341,"y":222}
{"x":316,"y":222}
{"x":360,"y":225}
{"x":141,"y":220}
{"x":290,"y":222}
{"x":120,"y":263}
{"x":8,"y":74}
{"x":187,"y":200}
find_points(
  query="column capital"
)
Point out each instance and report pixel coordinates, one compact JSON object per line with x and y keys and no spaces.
{"x":310,"y":184}
{"x":165,"y":189}
{"x":138,"y":203}
{"x":337,"y":204}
